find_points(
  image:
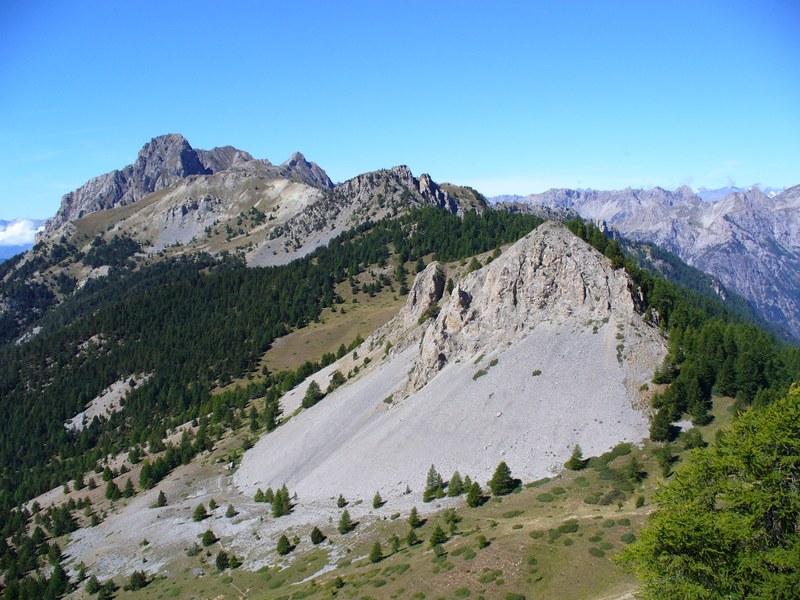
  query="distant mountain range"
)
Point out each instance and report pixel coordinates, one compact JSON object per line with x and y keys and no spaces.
{"x":749,"y":240}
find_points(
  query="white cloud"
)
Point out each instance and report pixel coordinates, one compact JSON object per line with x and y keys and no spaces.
{"x":18,"y":232}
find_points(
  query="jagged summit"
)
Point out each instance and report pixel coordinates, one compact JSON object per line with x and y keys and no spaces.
{"x":167,"y":160}
{"x":309,"y":172}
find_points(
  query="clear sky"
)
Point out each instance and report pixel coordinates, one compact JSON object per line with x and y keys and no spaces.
{"x":509,"y":97}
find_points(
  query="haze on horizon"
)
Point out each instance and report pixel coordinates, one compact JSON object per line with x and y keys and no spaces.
{"x":512,"y":98}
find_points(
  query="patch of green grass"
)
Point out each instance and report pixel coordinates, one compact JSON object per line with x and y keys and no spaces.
{"x":510,"y":514}
{"x":568,"y":542}
{"x":537,"y":483}
{"x":624,"y":522}
{"x":596,"y":552}
{"x":226,"y":579}
{"x":462,"y":592}
{"x":546,"y":497}
{"x":582,"y":481}
{"x":378,"y":582}
{"x":478,"y":374}
{"x":608,"y":523}
{"x":535,"y":535}
{"x":570,"y":526}
{"x":558,"y":491}
{"x":490,"y":575}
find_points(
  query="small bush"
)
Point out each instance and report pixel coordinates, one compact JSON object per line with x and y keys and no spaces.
{"x":546,"y":497}
{"x":608,"y":523}
{"x":568,"y":542}
{"x":624,"y":522}
{"x":478,"y":374}
{"x":597,"y":552}
{"x":628,"y":538}
{"x":568,"y":527}
{"x":536,"y":372}
{"x":535,"y":535}
{"x":591,"y":500}
{"x":510,"y":514}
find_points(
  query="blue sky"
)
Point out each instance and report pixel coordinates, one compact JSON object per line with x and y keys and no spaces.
{"x":510,"y":97}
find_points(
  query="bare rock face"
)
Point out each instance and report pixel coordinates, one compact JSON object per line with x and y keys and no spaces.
{"x":427,"y":290}
{"x":163,"y":161}
{"x":308,"y":172}
{"x":549,"y":275}
{"x":223,"y":158}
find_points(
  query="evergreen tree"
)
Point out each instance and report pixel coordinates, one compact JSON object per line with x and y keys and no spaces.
{"x":230,"y":512}
{"x":700,"y":543}
{"x":281,"y":504}
{"x":137,"y":581}
{"x":199,"y":513}
{"x":501,"y":482}
{"x":467,"y":483}
{"x":413,"y":518}
{"x":438,"y":536}
{"x":661,"y":429}
{"x":376,"y":554}
{"x":208,"y":538}
{"x":259,"y":497}
{"x":394,"y":543}
{"x":317,"y":536}
{"x":283,"y":547}
{"x":474,"y":495}
{"x":128,"y":492}
{"x":269,"y":496}
{"x":222,"y":561}
{"x":313,"y":395}
{"x":345,"y":523}
{"x":576,"y":462}
{"x":93,"y":585}
{"x":112,"y":491}
{"x":341,"y":502}
{"x":377,"y":501}
{"x":162,"y":499}
{"x":456,"y":486}
{"x":411,"y":538}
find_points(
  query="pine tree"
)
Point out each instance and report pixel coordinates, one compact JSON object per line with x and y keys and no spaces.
{"x":341,"y":502}
{"x":474,"y":495}
{"x":112,"y":491}
{"x":345,"y":524}
{"x":467,"y":483}
{"x":376,"y":554}
{"x":281,"y":505}
{"x":394,"y":543}
{"x":269,"y":496}
{"x":231,"y":512}
{"x":411,"y":538}
{"x":93,"y":585}
{"x":199,"y":513}
{"x":438,"y":536}
{"x":433,"y":480}
{"x":413,"y":518}
{"x":501,"y":482}
{"x":208,"y":538}
{"x":128,"y":491}
{"x":317,"y":536}
{"x":283,"y":547}
{"x":661,"y":427}
{"x":162,"y":499}
{"x":576,"y":462}
{"x":377,"y":501}
{"x":222,"y":561}
{"x":313,"y":395}
{"x":456,"y":486}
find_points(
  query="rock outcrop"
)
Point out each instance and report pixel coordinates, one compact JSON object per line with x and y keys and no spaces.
{"x":549,"y":275}
{"x":425,"y":292}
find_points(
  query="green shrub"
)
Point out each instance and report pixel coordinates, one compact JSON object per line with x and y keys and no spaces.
{"x":536,"y":534}
{"x":596,"y":552}
{"x":570,"y":526}
{"x":628,"y":538}
{"x":608,"y":523}
{"x":546,"y":497}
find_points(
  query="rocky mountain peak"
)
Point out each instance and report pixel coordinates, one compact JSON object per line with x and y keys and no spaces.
{"x":550,"y":275}
{"x":296,"y":166}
